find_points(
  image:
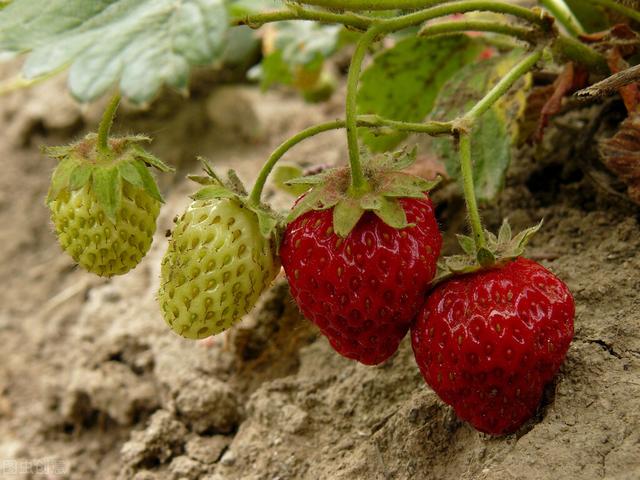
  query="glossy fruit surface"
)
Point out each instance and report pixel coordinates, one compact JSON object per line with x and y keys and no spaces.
{"x":364,"y":290}
{"x":488,"y":342}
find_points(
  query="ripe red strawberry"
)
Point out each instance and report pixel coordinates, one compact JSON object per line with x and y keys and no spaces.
{"x":489,"y":341}
{"x":364,"y":290}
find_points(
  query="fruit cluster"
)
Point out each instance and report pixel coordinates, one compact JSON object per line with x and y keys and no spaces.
{"x":364,"y":268}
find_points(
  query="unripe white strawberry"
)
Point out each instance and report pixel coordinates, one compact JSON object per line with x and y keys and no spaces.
{"x":222,"y":255}
{"x":104,"y":206}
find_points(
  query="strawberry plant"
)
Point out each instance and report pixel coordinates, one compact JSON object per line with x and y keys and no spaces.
{"x":361,"y":245}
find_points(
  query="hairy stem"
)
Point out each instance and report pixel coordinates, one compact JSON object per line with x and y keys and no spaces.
{"x":568,"y":48}
{"x":503,"y":86}
{"x":106,"y":123}
{"x":358,"y":182}
{"x":564,"y":15}
{"x":371,"y":121}
{"x":466,"y":168}
{"x":347,"y":19}
{"x":396,"y":23}
{"x":361,"y":5}
{"x":278,"y":153}
{"x":615,"y":6}
{"x":521,"y":33}
{"x":464,"y":6}
{"x":466,"y":164}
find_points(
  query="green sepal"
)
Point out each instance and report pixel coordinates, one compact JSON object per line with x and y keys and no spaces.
{"x":346,"y":215}
{"x":151,"y":159}
{"x":270,"y":224}
{"x":148,"y":182}
{"x":395,"y":161}
{"x":267,"y":223}
{"x":129,"y":172}
{"x":386,"y":185}
{"x":60,"y":178}
{"x":107,"y":188}
{"x":283,"y":174}
{"x":467,"y":244}
{"x":81,"y":162}
{"x":498,"y":251}
{"x":311,"y":179}
{"x":80,"y":176}
{"x":211,"y":192}
{"x":485,"y":257}
{"x":392,"y":213}
{"x":58,"y":151}
{"x":234,"y":182}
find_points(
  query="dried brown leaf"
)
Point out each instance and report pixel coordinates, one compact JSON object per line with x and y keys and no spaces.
{"x":621,"y":154}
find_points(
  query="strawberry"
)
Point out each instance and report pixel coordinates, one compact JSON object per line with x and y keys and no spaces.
{"x":221,"y":257}
{"x":488,"y":342}
{"x":362,"y":291}
{"x":104,"y":205}
{"x":360,"y":274}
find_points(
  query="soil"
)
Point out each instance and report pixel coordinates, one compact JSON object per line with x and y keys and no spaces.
{"x":94,"y":385}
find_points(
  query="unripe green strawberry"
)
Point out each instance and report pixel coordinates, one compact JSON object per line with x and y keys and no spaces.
{"x":104,"y":205}
{"x":95,"y":242}
{"x":219,"y":260}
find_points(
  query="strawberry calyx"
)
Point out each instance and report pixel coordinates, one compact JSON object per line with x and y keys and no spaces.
{"x":386,"y":184}
{"x":82,"y":164}
{"x":498,"y":251}
{"x":270,"y":223}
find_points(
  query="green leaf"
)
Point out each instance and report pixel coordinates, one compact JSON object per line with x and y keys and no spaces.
{"x":403,"y":82}
{"x":60,"y":178}
{"x":80,"y":176}
{"x":392,"y":213}
{"x":272,"y":71}
{"x":494,"y":133}
{"x":283,"y":174}
{"x":130,"y":173}
{"x":107,"y":187}
{"x":148,"y":181}
{"x":142,"y":45}
{"x":296,"y":53}
{"x":346,"y":215}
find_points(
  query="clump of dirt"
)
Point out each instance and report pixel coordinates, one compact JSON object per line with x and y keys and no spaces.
{"x":91,"y":377}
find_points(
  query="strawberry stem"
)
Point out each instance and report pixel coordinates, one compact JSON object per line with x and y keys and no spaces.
{"x":466,"y":168}
{"x":369,"y":121}
{"x":503,"y":86}
{"x":278,"y":153}
{"x":358,"y":181}
{"x":105,"y":125}
{"x":564,"y":15}
{"x":525,"y":34}
{"x":466,"y":164}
